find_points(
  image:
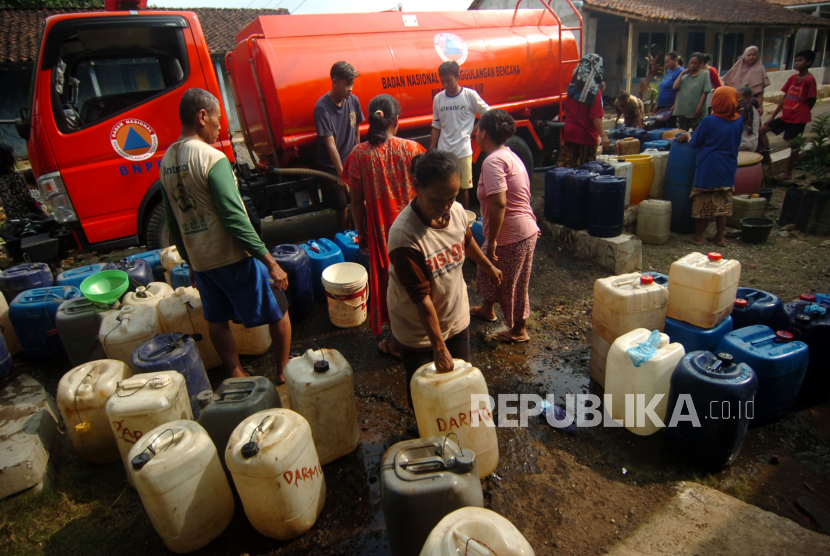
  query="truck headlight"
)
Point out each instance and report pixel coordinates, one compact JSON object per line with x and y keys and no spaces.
{"x":56,"y":197}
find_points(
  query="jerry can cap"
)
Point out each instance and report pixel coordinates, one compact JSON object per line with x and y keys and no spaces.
{"x":741,"y":303}
{"x":250,"y":449}
{"x":803,"y":319}
{"x":140,"y":460}
{"x":465,"y":460}
{"x":646,"y":279}
{"x":727,"y":358}
{"x":321,"y":366}
{"x":714,"y":257}
{"x":784,"y":336}
{"x":806,"y":297}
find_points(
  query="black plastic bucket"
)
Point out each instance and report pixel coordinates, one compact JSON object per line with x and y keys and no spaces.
{"x":756,"y":230}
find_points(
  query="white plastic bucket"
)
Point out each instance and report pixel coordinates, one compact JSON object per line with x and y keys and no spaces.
{"x":347,"y":292}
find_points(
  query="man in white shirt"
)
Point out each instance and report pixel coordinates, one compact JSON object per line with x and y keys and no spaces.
{"x":453,"y":120}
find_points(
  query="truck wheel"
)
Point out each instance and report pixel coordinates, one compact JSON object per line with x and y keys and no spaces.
{"x":156,"y":232}
{"x":518,"y":146}
{"x":253,"y":216}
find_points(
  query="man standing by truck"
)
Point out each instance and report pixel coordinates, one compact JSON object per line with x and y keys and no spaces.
{"x":337,"y":116}
{"x":453,"y":121}
{"x":209,"y":225}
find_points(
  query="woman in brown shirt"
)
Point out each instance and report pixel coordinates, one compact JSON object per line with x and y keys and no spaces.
{"x":427,"y":296}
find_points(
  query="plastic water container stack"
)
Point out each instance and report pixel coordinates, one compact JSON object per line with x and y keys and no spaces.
{"x":554,"y":194}
{"x":715,"y":382}
{"x":78,"y":323}
{"x":175,"y":467}
{"x":142,"y":403}
{"x":474,"y":530}
{"x":170,"y":258}
{"x":123,"y":331}
{"x":277,"y":473}
{"x":680,"y":176}
{"x":323,"y":253}
{"x":810,"y":318}
{"x":421,"y":482}
{"x":702,"y":290}
{"x":575,"y":199}
{"x":442,"y":403}
{"x":177,"y":352}
{"x":654,"y":221}
{"x":779,"y":361}
{"x":640,"y":362}
{"x":622,"y":304}
{"x":297,"y":265}
{"x":347,"y":242}
{"x":153,"y":258}
{"x":138,"y":271}
{"x":149,"y":296}
{"x":234,"y":400}
{"x":33,"y":314}
{"x":181,"y":311}
{"x":82,"y":397}
{"x":321,"y":389}
{"x":74,"y":276}
{"x":180,"y":276}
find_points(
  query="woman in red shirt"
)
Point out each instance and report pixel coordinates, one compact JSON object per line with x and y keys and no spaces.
{"x":379,"y":174}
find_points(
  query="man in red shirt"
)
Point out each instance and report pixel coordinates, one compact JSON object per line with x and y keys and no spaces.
{"x":796,"y":105}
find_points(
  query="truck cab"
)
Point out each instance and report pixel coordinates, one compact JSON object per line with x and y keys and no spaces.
{"x":104,"y":108}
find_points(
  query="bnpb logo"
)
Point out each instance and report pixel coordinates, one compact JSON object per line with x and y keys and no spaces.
{"x":134,"y":140}
{"x":450,"y":47}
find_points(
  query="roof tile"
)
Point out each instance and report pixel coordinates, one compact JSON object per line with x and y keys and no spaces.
{"x":20,"y":32}
{"x":732,"y":12}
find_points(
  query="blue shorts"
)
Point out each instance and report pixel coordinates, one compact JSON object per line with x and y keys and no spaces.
{"x":239,"y":291}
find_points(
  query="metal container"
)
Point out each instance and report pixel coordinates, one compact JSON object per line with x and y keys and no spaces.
{"x":235,"y":400}
{"x":78,"y":323}
{"x":421,"y":481}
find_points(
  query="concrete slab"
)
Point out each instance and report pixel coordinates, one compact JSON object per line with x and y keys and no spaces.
{"x":698,"y":520}
{"x":28,"y":426}
{"x":619,"y":255}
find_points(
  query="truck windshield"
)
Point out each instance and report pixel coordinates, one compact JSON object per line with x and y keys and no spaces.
{"x":98,"y":73}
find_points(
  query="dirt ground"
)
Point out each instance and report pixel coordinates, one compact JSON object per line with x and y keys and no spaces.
{"x":568,"y":494}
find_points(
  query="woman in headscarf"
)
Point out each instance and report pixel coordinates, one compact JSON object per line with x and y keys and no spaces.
{"x":748,"y":109}
{"x":717,"y":139}
{"x":584,"y":111}
{"x":749,"y":70}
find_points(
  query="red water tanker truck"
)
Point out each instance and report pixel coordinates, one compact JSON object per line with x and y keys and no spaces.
{"x":106,"y":88}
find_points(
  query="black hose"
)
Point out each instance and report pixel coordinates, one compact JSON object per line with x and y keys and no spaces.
{"x":305,"y":172}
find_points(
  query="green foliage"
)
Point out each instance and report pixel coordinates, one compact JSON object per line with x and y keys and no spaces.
{"x":815,"y":161}
{"x":32,"y":4}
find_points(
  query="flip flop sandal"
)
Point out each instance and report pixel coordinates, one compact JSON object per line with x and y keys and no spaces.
{"x":479,"y":316}
{"x":248,"y":371}
{"x":505,"y":340}
{"x":385,"y":350}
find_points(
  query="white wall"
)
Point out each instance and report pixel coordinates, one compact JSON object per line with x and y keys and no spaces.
{"x":778,"y":78}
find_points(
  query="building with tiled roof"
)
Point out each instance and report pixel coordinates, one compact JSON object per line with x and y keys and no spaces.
{"x":20,"y":32}
{"x":20,"y":36}
{"x":625,"y":32}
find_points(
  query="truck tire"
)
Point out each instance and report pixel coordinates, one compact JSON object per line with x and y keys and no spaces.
{"x":253,"y":216}
{"x":519,"y":146}
{"x":156,"y":232}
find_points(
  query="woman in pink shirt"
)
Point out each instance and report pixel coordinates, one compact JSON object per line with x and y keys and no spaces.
{"x":510,"y":229}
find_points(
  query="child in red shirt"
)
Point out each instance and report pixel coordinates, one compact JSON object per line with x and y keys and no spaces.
{"x":795,"y":106}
